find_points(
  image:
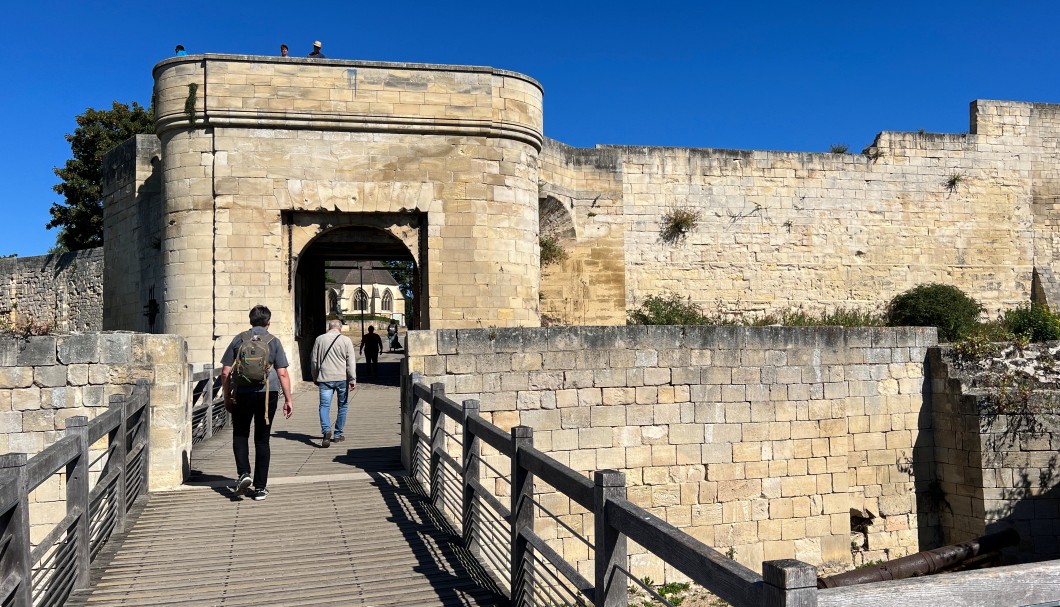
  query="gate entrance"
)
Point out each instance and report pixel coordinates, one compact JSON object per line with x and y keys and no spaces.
{"x":343,"y":251}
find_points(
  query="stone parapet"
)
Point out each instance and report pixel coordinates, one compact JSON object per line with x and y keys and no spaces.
{"x":761,"y":440}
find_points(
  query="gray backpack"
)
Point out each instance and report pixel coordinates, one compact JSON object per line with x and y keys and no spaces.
{"x":251,"y":366}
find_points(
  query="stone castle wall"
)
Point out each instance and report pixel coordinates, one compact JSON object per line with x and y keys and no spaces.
{"x":46,"y":380}
{"x":761,"y":440}
{"x":816,"y":230}
{"x":64,"y":291}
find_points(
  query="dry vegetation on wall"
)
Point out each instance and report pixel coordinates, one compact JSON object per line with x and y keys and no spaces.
{"x":677,"y":223}
{"x":14,"y":324}
{"x":551,"y":251}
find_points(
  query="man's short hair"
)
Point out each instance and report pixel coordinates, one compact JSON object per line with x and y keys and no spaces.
{"x":260,"y":316}
{"x":371,"y":329}
{"x":334,"y":323}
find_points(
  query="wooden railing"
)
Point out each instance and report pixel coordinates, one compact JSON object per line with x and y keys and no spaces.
{"x":44,"y":573}
{"x":521,"y":562}
{"x":207,"y":406}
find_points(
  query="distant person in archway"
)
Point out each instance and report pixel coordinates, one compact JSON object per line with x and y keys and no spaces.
{"x":391,"y":336}
{"x":316,"y":54}
{"x":334,"y":371}
{"x":283,"y":50}
{"x":371,"y":345}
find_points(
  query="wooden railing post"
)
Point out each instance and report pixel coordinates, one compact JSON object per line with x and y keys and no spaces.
{"x":522,"y":514}
{"x":408,"y":421}
{"x":437,"y":445}
{"x":17,"y":556}
{"x":118,"y":460}
{"x":610,"y":543}
{"x":208,"y":396}
{"x":77,"y":498}
{"x":789,"y":583}
{"x":470,"y":465}
{"x":144,"y":393}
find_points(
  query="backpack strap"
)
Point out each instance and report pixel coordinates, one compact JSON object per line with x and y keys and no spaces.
{"x":268,"y":372}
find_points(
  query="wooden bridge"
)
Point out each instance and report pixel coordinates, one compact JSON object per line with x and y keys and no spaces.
{"x":348,"y":526}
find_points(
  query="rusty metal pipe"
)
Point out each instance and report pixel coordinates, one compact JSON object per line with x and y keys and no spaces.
{"x":924,"y":563}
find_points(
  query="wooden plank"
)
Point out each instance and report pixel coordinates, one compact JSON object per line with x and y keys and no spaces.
{"x":704,"y":565}
{"x":54,"y":458}
{"x":449,"y":407}
{"x":491,"y":435}
{"x":488,"y":497}
{"x":8,"y":586}
{"x":583,"y":585}
{"x":1033,"y":584}
{"x":60,"y":528}
{"x":102,"y":424}
{"x":421,"y":392}
{"x":564,"y":479}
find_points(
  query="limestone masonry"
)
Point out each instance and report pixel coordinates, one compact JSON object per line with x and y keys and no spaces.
{"x":263,"y":166}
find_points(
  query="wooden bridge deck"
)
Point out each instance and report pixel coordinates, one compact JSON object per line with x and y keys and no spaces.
{"x":341,"y":526}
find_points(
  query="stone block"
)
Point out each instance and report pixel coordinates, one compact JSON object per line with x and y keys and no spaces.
{"x":26,"y":399}
{"x":37,"y":351}
{"x":116,"y":348}
{"x":50,"y":377}
{"x":75,"y":349}
{"x":15,"y":377}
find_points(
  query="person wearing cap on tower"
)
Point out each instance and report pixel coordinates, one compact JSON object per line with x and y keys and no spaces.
{"x":180,"y":51}
{"x":316,"y":54}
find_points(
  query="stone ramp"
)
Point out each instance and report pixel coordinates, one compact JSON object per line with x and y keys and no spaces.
{"x":341,"y":526}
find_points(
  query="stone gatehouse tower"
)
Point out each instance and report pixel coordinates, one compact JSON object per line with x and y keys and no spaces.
{"x":268,"y":167}
{"x":264,"y":168}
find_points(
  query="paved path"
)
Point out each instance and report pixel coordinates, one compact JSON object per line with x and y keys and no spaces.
{"x":341,"y":526}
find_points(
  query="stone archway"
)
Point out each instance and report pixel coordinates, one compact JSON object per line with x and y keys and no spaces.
{"x":318,"y":238}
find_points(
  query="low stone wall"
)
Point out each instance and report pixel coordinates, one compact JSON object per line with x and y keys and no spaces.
{"x":65,"y":291}
{"x":44,"y":381}
{"x":758,"y":441}
{"x":997,"y":466}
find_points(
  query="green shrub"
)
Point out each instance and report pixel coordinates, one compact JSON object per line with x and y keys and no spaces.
{"x":668,"y":310}
{"x":1034,"y":321}
{"x":551,"y":251}
{"x":935,"y":305}
{"x":840,"y":317}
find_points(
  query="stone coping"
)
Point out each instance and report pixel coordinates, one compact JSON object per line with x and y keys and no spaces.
{"x":437,"y":67}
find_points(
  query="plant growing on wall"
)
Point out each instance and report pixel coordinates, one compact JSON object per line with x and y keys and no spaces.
{"x":669,"y":309}
{"x":551,"y":251}
{"x":189,"y":102}
{"x":935,"y":305}
{"x":953,"y":181}
{"x":677,"y":223}
{"x":838,"y":148}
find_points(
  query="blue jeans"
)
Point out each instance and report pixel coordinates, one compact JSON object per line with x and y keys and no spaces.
{"x":327,"y":390}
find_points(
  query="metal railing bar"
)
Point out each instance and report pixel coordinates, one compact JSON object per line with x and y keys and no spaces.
{"x":655,"y":595}
{"x":103,"y":538}
{"x":540,"y":547}
{"x":490,"y":434}
{"x":56,"y":594}
{"x":453,"y":464}
{"x":456,"y":439}
{"x":703,"y":564}
{"x":500,"y":542}
{"x":50,"y":540}
{"x":500,"y":475}
{"x":495,"y":517}
{"x":558,"y":589}
{"x":423,"y":436}
{"x":560,"y":522}
{"x":563,"y":478}
{"x":487,"y":497}
{"x":104,"y":484}
{"x":57,"y":560}
{"x":499,"y":560}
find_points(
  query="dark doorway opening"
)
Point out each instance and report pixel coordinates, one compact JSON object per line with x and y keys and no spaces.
{"x":323,"y":286}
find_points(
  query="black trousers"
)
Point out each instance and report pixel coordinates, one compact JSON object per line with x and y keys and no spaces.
{"x":371,"y":359}
{"x":251,"y":406}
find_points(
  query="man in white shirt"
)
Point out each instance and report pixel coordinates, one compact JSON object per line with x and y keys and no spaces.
{"x":334,"y":370}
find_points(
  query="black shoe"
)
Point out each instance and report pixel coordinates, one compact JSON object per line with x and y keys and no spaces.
{"x":258,"y":494}
{"x":327,"y":440}
{"x":243,"y":484}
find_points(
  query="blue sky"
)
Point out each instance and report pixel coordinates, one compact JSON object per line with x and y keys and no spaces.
{"x":747,"y":75}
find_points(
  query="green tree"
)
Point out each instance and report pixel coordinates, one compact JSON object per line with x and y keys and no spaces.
{"x":80,"y":217}
{"x":402,"y":271}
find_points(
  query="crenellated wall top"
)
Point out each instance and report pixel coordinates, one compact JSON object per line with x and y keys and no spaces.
{"x":332,"y":94}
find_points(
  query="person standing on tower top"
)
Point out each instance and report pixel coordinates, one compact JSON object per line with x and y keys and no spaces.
{"x":316,"y":54}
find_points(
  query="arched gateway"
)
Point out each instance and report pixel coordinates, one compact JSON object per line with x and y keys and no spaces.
{"x":269,"y":166}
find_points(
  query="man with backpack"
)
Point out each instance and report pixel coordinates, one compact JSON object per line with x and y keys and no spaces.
{"x":334,"y":364}
{"x":254,"y":371}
